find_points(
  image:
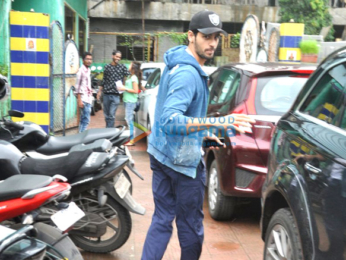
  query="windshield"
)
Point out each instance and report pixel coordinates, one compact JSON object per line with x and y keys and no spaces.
{"x":276,"y":94}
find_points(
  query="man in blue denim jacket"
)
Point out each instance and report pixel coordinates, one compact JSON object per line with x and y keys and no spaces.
{"x":176,"y":139}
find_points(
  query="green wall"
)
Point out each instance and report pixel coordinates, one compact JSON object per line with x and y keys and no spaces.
{"x":5,"y":7}
{"x":55,"y":9}
{"x":80,"y":7}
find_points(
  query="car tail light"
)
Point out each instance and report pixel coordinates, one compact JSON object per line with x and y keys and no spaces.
{"x":306,"y":71}
{"x":250,"y":102}
{"x":240,"y":109}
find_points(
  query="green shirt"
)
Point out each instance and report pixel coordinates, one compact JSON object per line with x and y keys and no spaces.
{"x":130,"y":97}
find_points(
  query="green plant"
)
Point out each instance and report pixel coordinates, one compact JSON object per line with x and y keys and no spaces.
{"x":313,"y":13}
{"x":309,"y":47}
{"x":4,"y":70}
{"x":177,"y":37}
{"x":235,"y":40}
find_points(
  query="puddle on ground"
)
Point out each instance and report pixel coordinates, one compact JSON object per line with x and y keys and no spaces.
{"x":225,"y":246}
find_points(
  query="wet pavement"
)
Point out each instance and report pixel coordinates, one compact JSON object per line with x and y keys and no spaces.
{"x":236,"y":239}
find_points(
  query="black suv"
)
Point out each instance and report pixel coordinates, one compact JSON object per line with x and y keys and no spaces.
{"x":304,"y":194}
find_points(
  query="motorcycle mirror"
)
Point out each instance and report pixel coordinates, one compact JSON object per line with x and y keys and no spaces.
{"x":15,"y":113}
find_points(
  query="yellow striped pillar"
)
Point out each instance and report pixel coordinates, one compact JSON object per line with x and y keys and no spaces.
{"x":291,"y":35}
{"x":30,"y":71}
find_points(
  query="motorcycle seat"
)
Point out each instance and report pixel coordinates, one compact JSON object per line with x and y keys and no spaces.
{"x":67,"y":166}
{"x":17,"y":185}
{"x":63,"y":144}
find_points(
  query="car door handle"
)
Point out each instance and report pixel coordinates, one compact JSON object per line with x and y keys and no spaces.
{"x":312,"y":169}
{"x":215,"y":114}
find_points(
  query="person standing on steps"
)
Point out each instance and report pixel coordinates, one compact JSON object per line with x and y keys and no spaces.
{"x":113,"y":72}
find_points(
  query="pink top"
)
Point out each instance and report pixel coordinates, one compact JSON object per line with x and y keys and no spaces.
{"x":83,"y":84}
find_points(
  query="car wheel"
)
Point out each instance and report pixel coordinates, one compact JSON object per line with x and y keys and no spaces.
{"x":221,"y":207}
{"x":282,"y":237}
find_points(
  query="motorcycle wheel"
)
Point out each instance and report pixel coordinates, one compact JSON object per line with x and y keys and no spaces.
{"x":118,"y":229}
{"x":61,"y":243}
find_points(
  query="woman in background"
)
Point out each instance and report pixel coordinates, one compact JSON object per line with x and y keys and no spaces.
{"x":130,"y":95}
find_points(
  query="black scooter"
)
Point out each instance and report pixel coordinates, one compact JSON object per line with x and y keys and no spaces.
{"x":30,"y":137}
{"x":32,"y":140}
{"x":100,"y":188}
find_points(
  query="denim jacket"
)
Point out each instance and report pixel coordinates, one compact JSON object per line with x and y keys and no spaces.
{"x":183,"y":94}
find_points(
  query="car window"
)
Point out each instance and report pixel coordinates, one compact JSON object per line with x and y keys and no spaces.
{"x":147,"y":72}
{"x":212,"y":79}
{"x":276,"y":94}
{"x":154,"y":79}
{"x":225,"y":88}
{"x":326,"y":99}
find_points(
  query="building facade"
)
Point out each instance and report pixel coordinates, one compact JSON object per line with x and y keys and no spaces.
{"x":125,"y":17}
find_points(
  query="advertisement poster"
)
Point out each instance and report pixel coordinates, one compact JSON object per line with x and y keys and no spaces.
{"x":71,"y":58}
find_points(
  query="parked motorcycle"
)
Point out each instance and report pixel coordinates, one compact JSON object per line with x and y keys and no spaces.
{"x":100,"y":188}
{"x":20,"y":198}
{"x":30,"y":137}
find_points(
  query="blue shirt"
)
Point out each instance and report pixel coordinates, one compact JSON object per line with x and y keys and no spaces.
{"x":183,"y":94}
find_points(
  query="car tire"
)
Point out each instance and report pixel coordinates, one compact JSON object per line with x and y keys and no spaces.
{"x":221,"y":207}
{"x":282,"y":229}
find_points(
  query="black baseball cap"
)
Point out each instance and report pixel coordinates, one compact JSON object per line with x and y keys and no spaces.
{"x":206,"y":22}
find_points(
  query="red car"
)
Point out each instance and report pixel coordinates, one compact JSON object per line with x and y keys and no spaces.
{"x":265,"y":91}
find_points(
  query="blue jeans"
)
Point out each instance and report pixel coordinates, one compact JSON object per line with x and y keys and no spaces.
{"x":84,"y":117}
{"x":181,"y":197}
{"x":129,"y":117}
{"x":110,"y":105}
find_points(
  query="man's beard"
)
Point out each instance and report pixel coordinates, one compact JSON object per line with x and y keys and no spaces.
{"x":201,"y":54}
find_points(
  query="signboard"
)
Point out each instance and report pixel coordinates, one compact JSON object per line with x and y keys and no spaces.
{"x":71,"y":58}
{"x":30,"y":70}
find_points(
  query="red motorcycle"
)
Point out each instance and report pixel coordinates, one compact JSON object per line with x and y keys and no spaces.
{"x":21,"y":195}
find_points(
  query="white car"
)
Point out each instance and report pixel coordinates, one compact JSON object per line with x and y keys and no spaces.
{"x":145,"y":115}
